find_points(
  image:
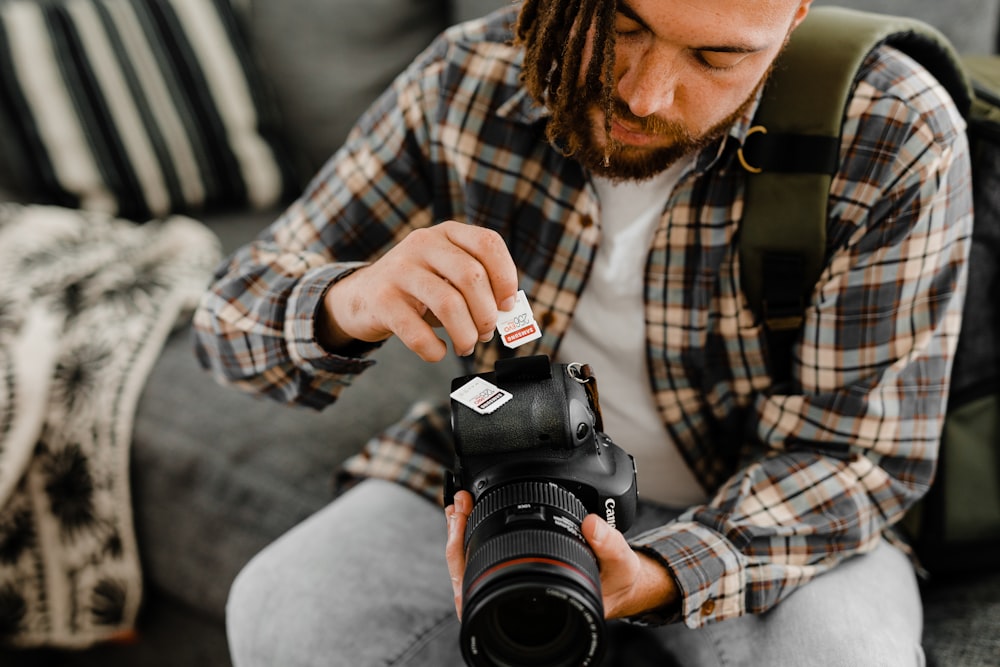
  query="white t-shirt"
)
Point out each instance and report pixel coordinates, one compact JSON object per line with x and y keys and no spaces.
{"x":608,"y":332}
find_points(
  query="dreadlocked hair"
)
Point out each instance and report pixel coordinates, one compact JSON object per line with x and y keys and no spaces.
{"x":553,"y":34}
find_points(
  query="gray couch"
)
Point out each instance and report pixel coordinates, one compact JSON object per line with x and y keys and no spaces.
{"x":217,"y":475}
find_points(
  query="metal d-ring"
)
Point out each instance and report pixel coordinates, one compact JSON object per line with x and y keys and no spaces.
{"x":743,"y":161}
{"x":575,"y":371}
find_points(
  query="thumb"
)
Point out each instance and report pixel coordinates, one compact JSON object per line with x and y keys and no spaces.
{"x":618,"y":564}
{"x":608,"y":544}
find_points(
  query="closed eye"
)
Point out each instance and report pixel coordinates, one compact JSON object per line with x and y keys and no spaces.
{"x":719,"y":61}
{"x":628,"y":24}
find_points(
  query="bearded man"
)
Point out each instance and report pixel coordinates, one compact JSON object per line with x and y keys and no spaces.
{"x":585,"y":151}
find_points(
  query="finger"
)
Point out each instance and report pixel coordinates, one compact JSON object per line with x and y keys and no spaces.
{"x":452,"y":305}
{"x":618,"y":563}
{"x":409,"y":324}
{"x":431,"y":301}
{"x":443,"y":274}
{"x":434,"y":322}
{"x":489,"y":248}
{"x":369,"y":307}
{"x":446,"y":284}
{"x":457,"y":515}
{"x":454,"y":554}
{"x":608,"y":544}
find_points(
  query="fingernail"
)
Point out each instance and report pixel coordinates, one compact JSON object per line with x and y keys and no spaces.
{"x":509,"y":303}
{"x":487,"y":337}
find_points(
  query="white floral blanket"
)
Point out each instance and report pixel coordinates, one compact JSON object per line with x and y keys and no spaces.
{"x":86,"y":302}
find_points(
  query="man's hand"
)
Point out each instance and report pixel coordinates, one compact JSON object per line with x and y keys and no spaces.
{"x":451,"y":275}
{"x":631,"y":582}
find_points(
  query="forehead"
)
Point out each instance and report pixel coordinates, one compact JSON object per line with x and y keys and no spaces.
{"x":743,"y":20}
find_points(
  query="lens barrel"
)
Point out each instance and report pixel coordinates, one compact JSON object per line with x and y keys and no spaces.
{"x":531,"y":594}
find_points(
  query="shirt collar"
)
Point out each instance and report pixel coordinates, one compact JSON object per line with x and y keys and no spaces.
{"x":521,"y":107}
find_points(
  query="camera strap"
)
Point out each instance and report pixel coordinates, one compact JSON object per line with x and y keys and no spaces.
{"x":584,"y":374}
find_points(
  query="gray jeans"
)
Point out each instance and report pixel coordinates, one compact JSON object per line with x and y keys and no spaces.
{"x":364,"y":582}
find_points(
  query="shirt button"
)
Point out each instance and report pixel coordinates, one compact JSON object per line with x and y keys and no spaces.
{"x":708,"y":608}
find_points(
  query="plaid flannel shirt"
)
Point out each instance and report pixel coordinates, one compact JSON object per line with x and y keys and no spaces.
{"x":801,"y":476}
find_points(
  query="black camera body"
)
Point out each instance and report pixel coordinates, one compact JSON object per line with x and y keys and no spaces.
{"x":549,"y":431}
{"x":535,"y":467}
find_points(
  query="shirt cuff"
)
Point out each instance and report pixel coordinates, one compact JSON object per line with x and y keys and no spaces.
{"x":304,"y":347}
{"x":710,"y":573}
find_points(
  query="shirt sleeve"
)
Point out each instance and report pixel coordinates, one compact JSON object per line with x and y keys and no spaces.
{"x":851,"y":443}
{"x":255,"y":328}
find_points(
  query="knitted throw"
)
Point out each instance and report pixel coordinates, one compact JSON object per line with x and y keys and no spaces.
{"x":86,"y":303}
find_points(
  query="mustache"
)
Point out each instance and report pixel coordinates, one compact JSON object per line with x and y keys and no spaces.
{"x":653,"y":125}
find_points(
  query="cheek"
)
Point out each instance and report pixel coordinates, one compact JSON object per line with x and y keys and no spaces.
{"x":706,"y":102}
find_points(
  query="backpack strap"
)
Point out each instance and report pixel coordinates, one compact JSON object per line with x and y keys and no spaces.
{"x":984,"y":71}
{"x":793,"y":151}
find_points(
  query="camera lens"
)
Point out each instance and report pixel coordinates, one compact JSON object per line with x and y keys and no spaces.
{"x":532,"y":588}
{"x":527,"y":625}
{"x":529,"y":621}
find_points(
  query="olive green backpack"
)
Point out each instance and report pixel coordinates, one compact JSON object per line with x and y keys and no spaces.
{"x":792,"y":153}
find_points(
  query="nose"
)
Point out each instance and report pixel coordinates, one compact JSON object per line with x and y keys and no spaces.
{"x":648,"y":84}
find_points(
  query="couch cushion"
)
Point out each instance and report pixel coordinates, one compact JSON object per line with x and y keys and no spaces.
{"x":135,"y":107}
{"x":218,"y":474}
{"x":464,"y":10}
{"x":327,"y":61}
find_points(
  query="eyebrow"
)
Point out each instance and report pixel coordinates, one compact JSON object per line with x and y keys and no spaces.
{"x":625,"y":8}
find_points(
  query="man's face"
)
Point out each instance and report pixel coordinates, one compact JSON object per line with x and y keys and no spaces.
{"x":685,"y":70}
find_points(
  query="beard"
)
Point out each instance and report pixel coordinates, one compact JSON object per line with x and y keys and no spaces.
{"x":618,"y":161}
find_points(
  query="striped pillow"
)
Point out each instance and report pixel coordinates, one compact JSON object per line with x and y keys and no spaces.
{"x":137,"y":108}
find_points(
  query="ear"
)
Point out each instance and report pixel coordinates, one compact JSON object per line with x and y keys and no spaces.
{"x":801,"y":12}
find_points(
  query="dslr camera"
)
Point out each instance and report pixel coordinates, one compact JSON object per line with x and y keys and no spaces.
{"x":536,"y":466}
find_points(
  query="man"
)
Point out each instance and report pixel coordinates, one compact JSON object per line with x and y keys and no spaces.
{"x":588,"y":156}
